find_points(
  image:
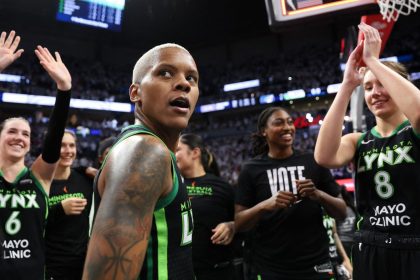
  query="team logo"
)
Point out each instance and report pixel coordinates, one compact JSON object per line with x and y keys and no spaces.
{"x":366,"y":142}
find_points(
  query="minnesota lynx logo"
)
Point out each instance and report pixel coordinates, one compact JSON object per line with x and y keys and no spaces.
{"x":386,"y":156}
{"x":377,"y":158}
{"x":18,"y":201}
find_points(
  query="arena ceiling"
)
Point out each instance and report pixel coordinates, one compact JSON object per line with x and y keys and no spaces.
{"x":192,"y":23}
{"x":146,"y":22}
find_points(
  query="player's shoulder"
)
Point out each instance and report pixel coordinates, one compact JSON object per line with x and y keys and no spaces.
{"x":255,"y":161}
{"x":216,"y":179}
{"x":140,"y":148}
{"x":302,"y":156}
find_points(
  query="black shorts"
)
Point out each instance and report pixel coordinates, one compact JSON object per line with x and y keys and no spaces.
{"x":323,"y":271}
{"x":385,"y":257}
{"x":219,"y":273}
{"x":64,"y":272}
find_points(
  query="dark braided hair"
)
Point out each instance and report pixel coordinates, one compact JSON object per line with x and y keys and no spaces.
{"x":207,"y":158}
{"x":259,"y":143}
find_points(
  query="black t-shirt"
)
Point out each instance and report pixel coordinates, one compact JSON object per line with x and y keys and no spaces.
{"x":286,"y":240}
{"x":212,"y":201}
{"x":66,"y":236}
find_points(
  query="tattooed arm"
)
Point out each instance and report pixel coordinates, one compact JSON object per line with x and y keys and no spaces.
{"x":136,"y":174}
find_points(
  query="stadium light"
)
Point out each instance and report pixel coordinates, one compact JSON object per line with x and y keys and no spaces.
{"x":241,"y":85}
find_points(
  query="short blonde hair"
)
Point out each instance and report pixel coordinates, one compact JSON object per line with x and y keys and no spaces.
{"x":148,"y":58}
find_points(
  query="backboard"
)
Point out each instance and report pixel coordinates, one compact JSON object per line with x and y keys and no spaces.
{"x":284,"y":11}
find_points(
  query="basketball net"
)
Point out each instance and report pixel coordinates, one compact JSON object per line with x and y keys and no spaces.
{"x":391,"y":9}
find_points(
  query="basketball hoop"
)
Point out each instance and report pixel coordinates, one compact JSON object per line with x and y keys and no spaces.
{"x":391,"y":9}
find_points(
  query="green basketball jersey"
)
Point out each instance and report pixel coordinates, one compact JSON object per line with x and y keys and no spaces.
{"x":23,"y":213}
{"x":388,"y":181}
{"x":169,"y":252}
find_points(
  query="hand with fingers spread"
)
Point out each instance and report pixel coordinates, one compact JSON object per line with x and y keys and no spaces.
{"x":8,"y":47}
{"x":223,"y":233}
{"x":74,"y":205}
{"x":372,"y":42}
{"x":307,"y":189}
{"x":55,"y":68}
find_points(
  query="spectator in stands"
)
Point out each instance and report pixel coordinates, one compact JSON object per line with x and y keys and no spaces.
{"x":387,"y":162}
{"x":67,"y":231}
{"x":281,"y":196}
{"x":144,"y":208}
{"x":24,"y":191}
{"x":212,"y":202}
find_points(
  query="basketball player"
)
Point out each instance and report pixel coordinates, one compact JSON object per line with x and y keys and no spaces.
{"x":280,"y":198}
{"x":144,"y":222}
{"x":24,"y":191}
{"x":387,"y":163}
{"x":213,"y":207}
{"x":67,"y":231}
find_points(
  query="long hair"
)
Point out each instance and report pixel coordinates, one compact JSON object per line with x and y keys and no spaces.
{"x":71,"y":132}
{"x":397,"y":67}
{"x":259,"y":142}
{"x":3,"y":123}
{"x":207,"y":158}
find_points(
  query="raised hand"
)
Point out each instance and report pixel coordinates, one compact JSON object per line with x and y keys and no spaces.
{"x":8,"y":53}
{"x":55,"y":68}
{"x":352,"y":74}
{"x":372,"y":42}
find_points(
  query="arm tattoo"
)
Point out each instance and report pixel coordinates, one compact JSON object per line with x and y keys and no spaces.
{"x":119,"y":240}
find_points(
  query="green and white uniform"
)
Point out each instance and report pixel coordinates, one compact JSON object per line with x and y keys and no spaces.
{"x":169,"y":253}
{"x":388,"y":193}
{"x":23,"y":213}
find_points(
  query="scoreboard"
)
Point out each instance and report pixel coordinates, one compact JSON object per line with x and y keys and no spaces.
{"x":106,"y":14}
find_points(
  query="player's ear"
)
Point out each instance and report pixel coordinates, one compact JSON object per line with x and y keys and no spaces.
{"x":134,"y":93}
{"x":196,"y":152}
{"x":263,"y":133}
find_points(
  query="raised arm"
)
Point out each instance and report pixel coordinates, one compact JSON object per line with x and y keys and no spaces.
{"x":136,"y":174}
{"x":8,"y":47}
{"x":44,"y":166}
{"x":405,"y":95}
{"x":332,"y":150}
